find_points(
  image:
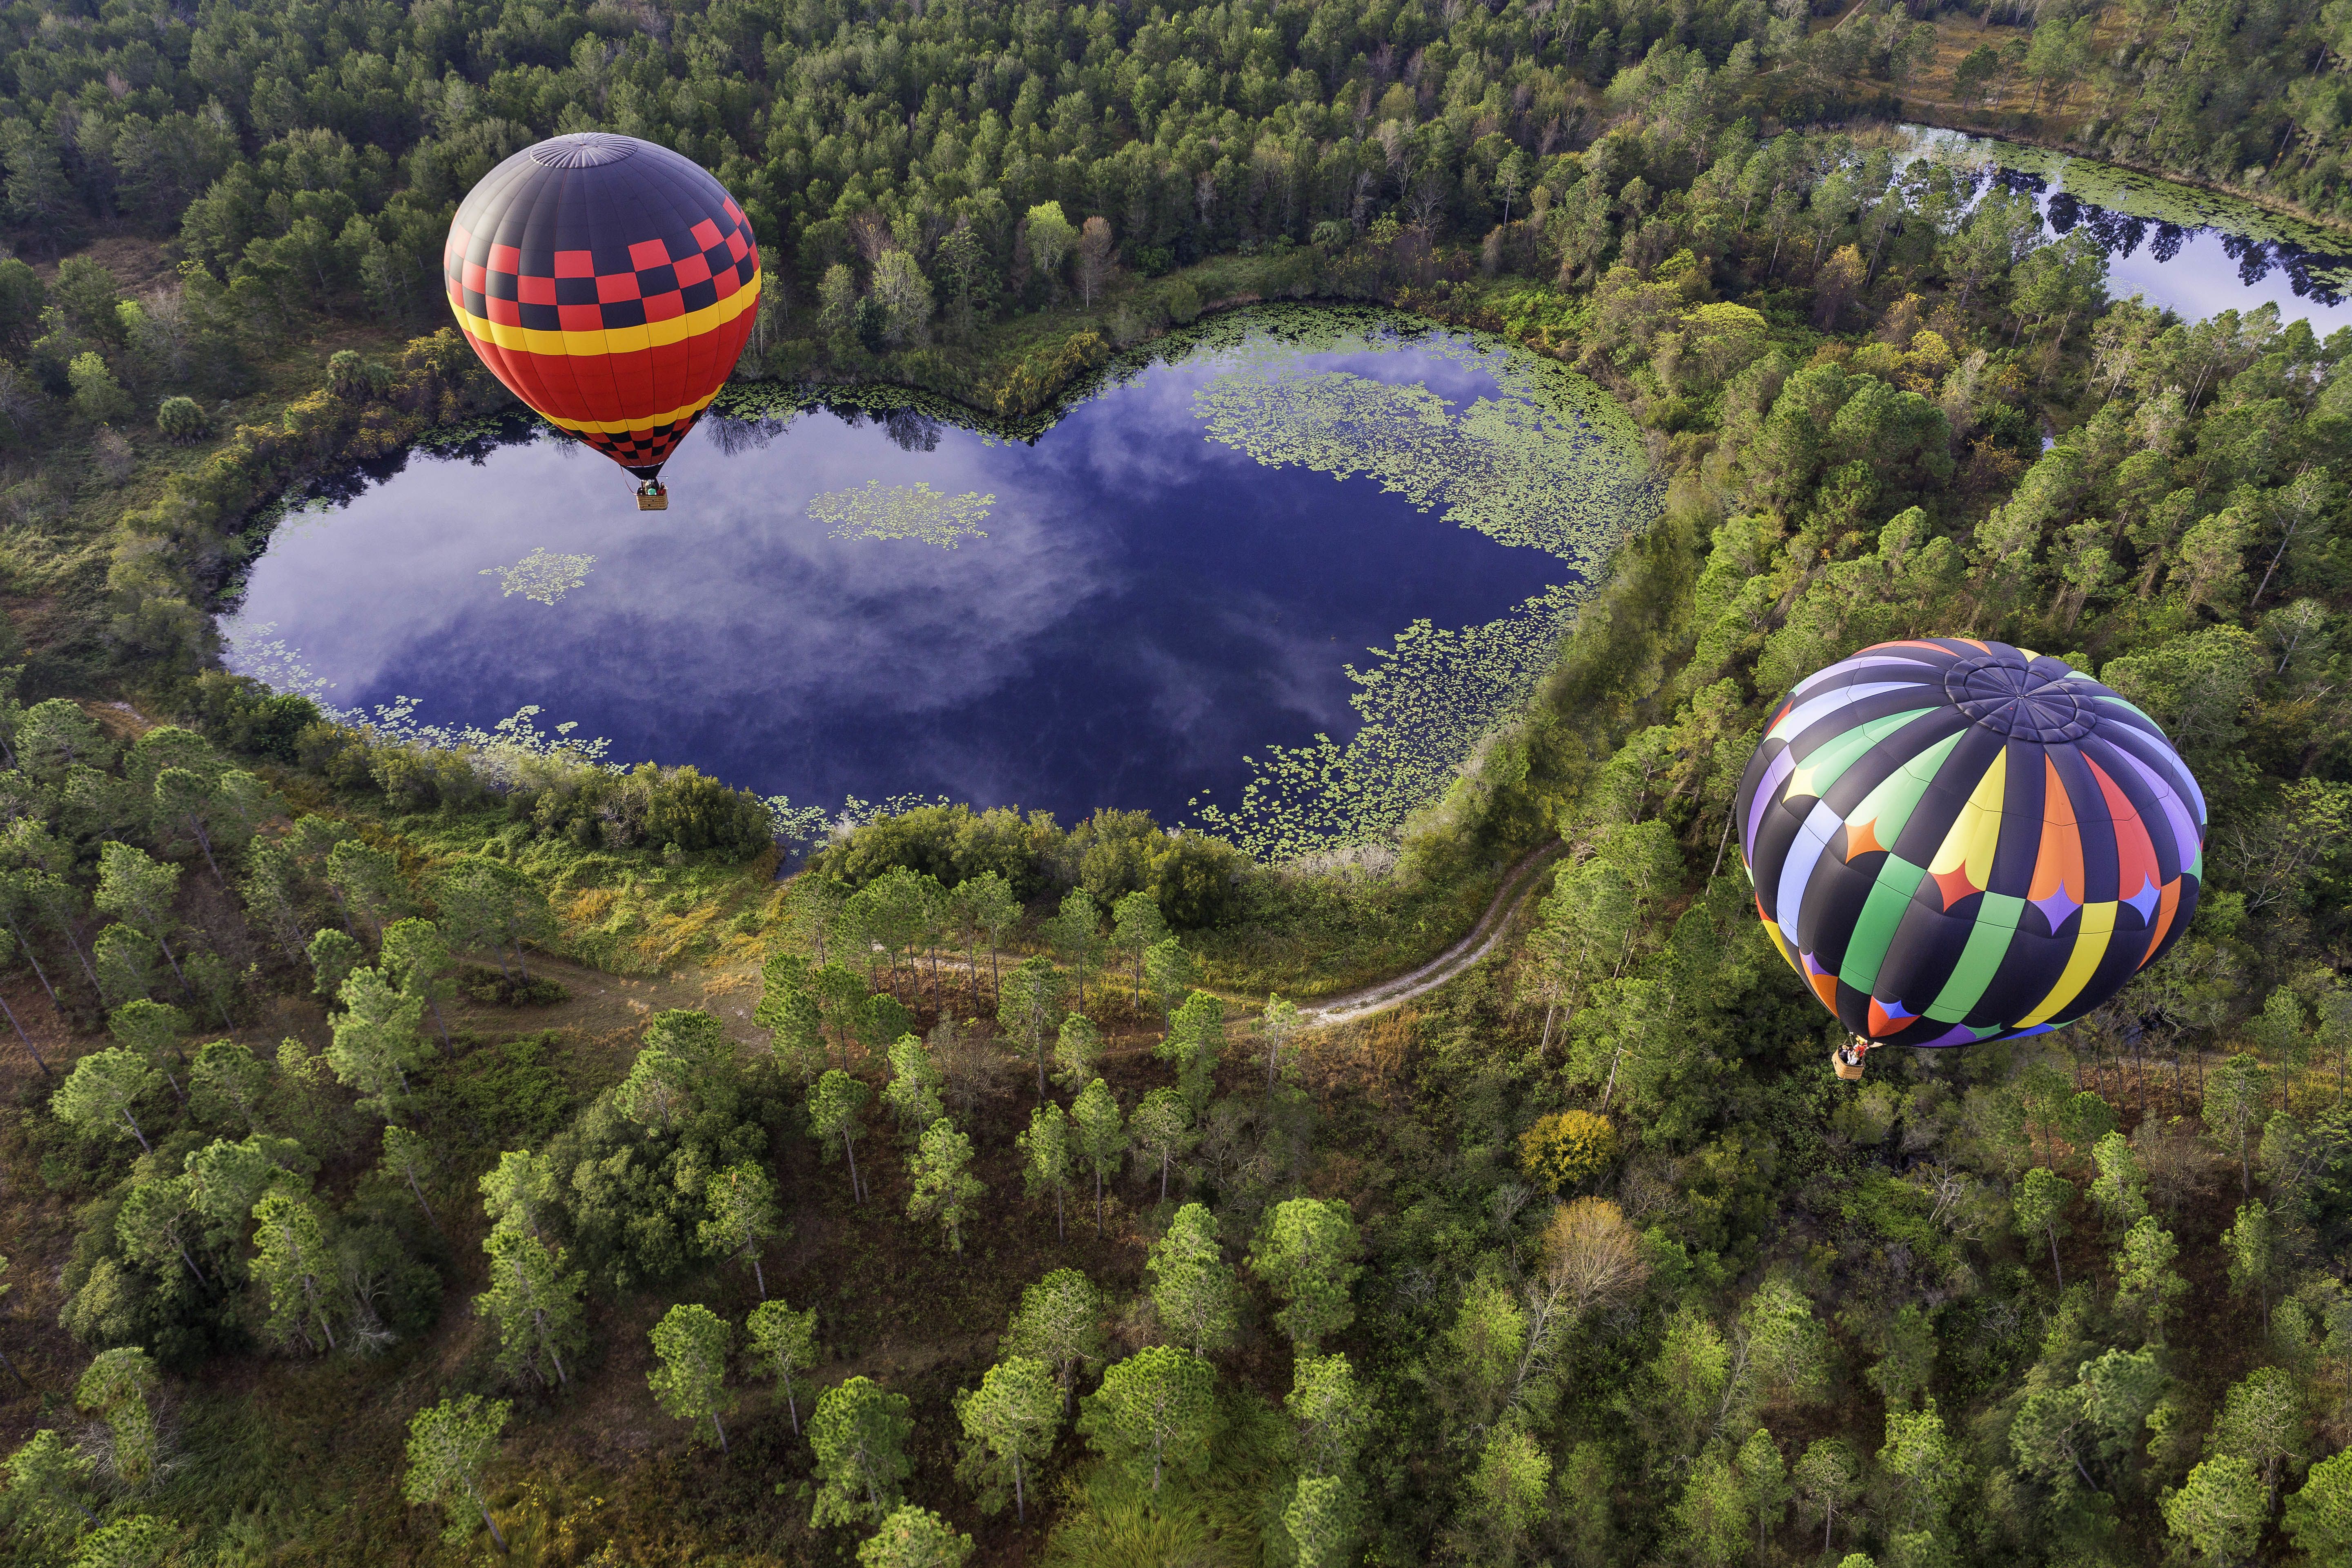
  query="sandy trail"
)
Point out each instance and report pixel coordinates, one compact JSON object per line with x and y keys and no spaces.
{"x":1350,"y":1005}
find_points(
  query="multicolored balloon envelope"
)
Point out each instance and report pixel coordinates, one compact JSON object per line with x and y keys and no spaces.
{"x":610,"y":284}
{"x":1956,"y":841}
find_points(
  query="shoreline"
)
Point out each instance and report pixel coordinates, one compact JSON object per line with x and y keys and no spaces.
{"x":2268,"y":203}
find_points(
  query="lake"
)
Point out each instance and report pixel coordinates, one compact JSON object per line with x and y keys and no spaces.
{"x":1276,"y":577}
{"x":2194,"y":251}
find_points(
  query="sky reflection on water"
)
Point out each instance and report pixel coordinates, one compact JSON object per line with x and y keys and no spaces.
{"x":1146,"y":606}
{"x":2194,"y":269}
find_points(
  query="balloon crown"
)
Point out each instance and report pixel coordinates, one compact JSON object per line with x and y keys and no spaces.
{"x":2011,"y":692}
{"x":583,"y":150}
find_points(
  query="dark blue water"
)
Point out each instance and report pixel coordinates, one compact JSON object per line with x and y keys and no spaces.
{"x":1146,"y":607}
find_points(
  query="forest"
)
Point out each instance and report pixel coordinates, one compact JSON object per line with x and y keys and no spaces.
{"x":435,"y":1147}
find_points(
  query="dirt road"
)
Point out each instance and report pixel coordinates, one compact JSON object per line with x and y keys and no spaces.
{"x":1350,"y":1005}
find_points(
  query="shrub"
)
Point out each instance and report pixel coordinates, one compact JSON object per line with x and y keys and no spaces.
{"x":1115,"y":851}
{"x":419,"y":778}
{"x":97,"y":395}
{"x":112,"y":455}
{"x":1566,"y":1147}
{"x":335,"y":754}
{"x":1196,"y":879}
{"x":599,"y":809}
{"x":696,"y":813}
{"x":349,"y":376}
{"x":633,"y":1203}
{"x":182,"y":419}
{"x":493,"y":989}
{"x":1037,"y":379}
{"x":950,"y":842}
{"x":1183,"y":303}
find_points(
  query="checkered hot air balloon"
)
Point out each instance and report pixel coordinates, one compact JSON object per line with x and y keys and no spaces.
{"x":1954,"y":841}
{"x":610,"y":283}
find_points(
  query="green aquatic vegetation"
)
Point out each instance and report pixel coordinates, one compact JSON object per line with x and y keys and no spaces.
{"x":1549,"y":462}
{"x":1514,"y":470}
{"x":902,"y":511}
{"x":1426,"y":704}
{"x":541,"y":576}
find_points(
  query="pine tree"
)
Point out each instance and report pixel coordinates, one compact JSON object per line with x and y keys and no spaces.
{"x":859,"y":1434}
{"x":1306,"y":1253}
{"x":690,"y":1346}
{"x":1077,"y":1049}
{"x":46,"y":1477}
{"x":834,"y":1104}
{"x":1193,"y":1286}
{"x":226,"y":1084}
{"x":1100,"y":1138}
{"x":1010,"y":1423}
{"x":100,"y":1097}
{"x":518,"y":1191}
{"x":913,"y":1091}
{"x":1137,"y":927}
{"x":1324,"y":1518}
{"x":1046,"y":1159}
{"x":138,"y":889}
{"x":115,"y":1388}
{"x":741,"y":1216}
{"x":376,"y":1041}
{"x":158,"y":1225}
{"x":783,"y":1346}
{"x":408,"y":1157}
{"x":1076,"y":933}
{"x":1059,"y":1322}
{"x":944,"y":1188}
{"x":367,"y":880}
{"x":911,"y":1537}
{"x":535,"y":1303}
{"x":1162,"y":1128}
{"x":153,"y":1031}
{"x":416,"y":957}
{"x":1275,"y":1026}
{"x":1030,"y":1007}
{"x":449,"y":1445}
{"x":291,"y":1262}
{"x":1194,"y":1042}
{"x":1151,"y":1415}
{"x":1333,"y":1412}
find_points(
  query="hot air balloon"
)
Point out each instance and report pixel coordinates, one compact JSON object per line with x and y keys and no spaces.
{"x":610,"y":284}
{"x":1954,"y":841}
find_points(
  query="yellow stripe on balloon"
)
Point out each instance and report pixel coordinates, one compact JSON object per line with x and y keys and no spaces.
{"x":613,"y":339}
{"x":623,"y":426}
{"x":2090,"y":946}
{"x":1976,"y":832}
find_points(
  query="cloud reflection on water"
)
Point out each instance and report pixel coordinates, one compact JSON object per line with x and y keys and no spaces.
{"x":1147,"y":606}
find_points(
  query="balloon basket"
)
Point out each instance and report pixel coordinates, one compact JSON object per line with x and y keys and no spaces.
{"x":654,"y":499}
{"x":1848,"y":1063}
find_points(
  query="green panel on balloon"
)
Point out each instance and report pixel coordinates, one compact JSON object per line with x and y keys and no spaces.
{"x":1873,"y":929}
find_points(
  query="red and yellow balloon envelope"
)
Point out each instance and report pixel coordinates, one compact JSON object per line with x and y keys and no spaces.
{"x":610,"y":284}
{"x":1956,"y":841}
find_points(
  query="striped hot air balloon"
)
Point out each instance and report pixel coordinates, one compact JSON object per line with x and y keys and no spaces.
{"x":610,"y":283}
{"x":1956,"y":841}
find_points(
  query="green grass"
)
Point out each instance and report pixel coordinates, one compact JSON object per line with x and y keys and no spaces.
{"x":1218,"y":1519}
{"x":1308,"y":935}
